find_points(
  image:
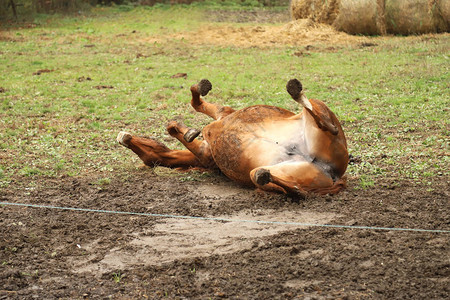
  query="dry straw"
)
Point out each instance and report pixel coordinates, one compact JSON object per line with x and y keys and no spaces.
{"x":317,"y":10}
{"x":377,"y":16}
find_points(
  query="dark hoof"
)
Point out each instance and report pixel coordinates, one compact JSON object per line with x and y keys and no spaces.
{"x":191,"y":135}
{"x":204,"y":86}
{"x":294,"y":88}
{"x":262,"y":176}
{"x":298,"y":194}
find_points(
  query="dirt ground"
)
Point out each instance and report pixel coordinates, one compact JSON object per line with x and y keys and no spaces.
{"x":52,"y":253}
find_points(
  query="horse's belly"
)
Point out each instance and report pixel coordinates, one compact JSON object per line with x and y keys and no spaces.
{"x":240,"y":148}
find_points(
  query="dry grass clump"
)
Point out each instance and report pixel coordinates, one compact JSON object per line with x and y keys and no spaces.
{"x":296,"y":33}
{"x":377,"y":16}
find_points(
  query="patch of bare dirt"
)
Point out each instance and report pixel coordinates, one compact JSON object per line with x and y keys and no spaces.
{"x":49,"y":253}
{"x":42,"y":71}
{"x":173,"y":239}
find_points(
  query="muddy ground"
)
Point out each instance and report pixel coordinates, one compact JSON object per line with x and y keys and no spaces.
{"x":51,"y":253}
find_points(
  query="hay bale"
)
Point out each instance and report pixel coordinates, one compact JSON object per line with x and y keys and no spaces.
{"x":374,"y":17}
{"x":443,"y":8}
{"x":360,"y":17}
{"x":321,"y":11}
{"x":415,"y":16}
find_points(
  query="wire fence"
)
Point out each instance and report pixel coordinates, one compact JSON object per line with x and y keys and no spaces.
{"x":298,"y":224}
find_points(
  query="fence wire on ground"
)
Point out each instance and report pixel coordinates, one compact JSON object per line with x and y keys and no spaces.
{"x":223,"y":219}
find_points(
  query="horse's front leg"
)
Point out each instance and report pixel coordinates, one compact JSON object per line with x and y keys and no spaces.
{"x":154,"y":153}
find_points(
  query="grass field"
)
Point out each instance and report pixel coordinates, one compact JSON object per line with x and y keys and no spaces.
{"x":110,"y":70}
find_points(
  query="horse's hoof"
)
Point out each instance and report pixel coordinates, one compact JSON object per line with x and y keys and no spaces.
{"x":124,"y":138}
{"x":262,"y":176}
{"x":204,"y":86}
{"x":294,"y":88}
{"x":191,"y":134}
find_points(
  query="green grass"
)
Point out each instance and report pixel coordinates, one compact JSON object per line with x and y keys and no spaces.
{"x":392,"y":99}
{"x":117,"y":277}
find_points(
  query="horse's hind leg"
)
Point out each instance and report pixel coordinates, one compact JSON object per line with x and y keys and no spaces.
{"x":215,"y":111}
{"x":154,"y":153}
{"x":296,"y":178}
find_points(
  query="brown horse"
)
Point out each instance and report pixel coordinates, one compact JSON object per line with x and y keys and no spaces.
{"x":265,"y":146}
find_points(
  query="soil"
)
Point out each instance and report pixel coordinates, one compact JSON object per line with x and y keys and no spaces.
{"x":54,"y":253}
